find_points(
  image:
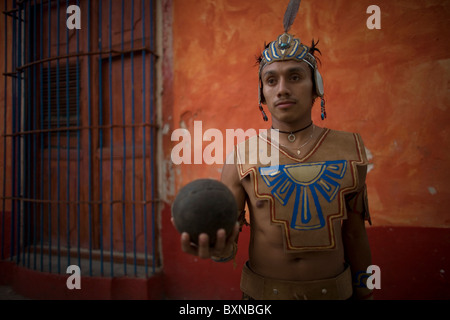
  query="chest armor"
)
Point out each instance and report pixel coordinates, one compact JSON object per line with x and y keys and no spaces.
{"x":306,"y":195}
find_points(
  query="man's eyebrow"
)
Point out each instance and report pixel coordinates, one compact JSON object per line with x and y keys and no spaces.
{"x":296,"y":69}
{"x":290,"y":70}
{"x":269,"y":73}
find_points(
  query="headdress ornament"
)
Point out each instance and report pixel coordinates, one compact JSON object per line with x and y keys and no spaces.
{"x":287,"y":47}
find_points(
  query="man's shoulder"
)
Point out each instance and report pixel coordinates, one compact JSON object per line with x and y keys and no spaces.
{"x":342,"y":134}
{"x":244,"y":149}
{"x":249,"y":141}
{"x":346,"y":143}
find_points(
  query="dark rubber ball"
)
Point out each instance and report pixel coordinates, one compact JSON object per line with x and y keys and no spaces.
{"x":204,"y":206}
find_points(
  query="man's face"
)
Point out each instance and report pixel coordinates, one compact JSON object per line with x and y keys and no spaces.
{"x":288,"y":90}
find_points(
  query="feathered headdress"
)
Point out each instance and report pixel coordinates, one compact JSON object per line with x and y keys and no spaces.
{"x":286,"y":47}
{"x":290,"y":14}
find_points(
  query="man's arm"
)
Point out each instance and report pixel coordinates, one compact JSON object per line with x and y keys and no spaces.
{"x":357,"y":253}
{"x":356,"y":244}
{"x":231,"y":179}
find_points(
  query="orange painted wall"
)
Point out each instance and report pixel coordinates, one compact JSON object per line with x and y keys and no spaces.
{"x":390,"y":85}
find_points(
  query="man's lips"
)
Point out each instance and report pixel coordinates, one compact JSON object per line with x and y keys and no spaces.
{"x":284,"y":104}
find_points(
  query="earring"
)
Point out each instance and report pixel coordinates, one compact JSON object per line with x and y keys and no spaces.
{"x":323,"y":113}
{"x":263,"y":113}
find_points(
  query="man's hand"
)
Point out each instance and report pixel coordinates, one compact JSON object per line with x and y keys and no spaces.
{"x":222,"y":248}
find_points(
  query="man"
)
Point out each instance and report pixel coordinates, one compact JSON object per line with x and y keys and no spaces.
{"x":307,"y":212}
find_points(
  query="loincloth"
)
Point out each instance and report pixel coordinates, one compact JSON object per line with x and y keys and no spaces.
{"x":262,"y":288}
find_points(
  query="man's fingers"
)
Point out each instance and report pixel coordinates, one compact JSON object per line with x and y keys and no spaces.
{"x":224,"y":243}
{"x":203,"y":246}
{"x":203,"y":249}
{"x":236,"y":230}
{"x":186,"y":243}
{"x":221,"y":240}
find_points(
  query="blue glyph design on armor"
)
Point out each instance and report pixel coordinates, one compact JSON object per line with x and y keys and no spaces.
{"x":308,"y":183}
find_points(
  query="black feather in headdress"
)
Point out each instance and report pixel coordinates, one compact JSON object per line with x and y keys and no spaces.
{"x":290,"y":14}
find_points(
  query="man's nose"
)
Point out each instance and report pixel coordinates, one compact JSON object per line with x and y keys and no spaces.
{"x":283,"y":88}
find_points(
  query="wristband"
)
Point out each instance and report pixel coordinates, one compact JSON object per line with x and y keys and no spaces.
{"x":226,"y":259}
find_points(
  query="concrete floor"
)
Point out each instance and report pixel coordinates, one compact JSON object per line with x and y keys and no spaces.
{"x":138,"y":271}
{"x":7,"y":293}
